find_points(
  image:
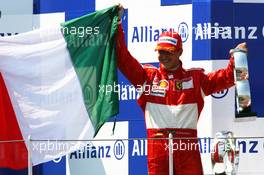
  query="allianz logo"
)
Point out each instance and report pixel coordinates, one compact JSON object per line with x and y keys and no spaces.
{"x":90,"y":151}
{"x":208,"y":30}
{"x":150,"y":33}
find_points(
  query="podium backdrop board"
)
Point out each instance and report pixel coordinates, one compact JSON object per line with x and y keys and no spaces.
{"x":208,"y":33}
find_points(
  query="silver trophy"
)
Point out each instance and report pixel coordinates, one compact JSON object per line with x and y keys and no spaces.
{"x":243,"y":97}
{"x":225,"y":155}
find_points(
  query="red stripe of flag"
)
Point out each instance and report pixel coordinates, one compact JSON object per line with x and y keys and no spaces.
{"x":12,"y":155}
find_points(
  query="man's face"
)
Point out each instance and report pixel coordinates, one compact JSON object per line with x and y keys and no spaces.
{"x":169,"y":60}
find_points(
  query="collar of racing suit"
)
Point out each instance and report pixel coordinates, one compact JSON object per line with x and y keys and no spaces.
{"x":178,"y":72}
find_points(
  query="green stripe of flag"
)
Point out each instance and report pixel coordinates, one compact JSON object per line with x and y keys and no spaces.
{"x":90,"y":41}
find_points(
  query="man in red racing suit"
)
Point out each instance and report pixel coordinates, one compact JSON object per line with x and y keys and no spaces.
{"x":172,"y":101}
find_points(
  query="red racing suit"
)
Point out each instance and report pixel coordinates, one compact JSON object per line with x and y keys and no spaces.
{"x":172,"y":102}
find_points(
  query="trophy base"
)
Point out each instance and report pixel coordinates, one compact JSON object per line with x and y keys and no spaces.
{"x":220,"y":173}
{"x":246,"y":115}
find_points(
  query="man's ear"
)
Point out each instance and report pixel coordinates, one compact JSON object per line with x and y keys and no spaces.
{"x":180,"y":51}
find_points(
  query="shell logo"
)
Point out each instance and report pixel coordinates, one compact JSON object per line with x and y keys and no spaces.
{"x":163,"y":84}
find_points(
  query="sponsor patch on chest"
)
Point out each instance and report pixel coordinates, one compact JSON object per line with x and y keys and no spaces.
{"x":186,"y":83}
{"x":159,"y":89}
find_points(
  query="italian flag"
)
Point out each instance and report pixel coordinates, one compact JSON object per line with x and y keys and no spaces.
{"x":52,"y":87}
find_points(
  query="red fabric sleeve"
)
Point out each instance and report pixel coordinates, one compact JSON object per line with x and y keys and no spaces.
{"x":128,"y":65}
{"x":218,"y":80}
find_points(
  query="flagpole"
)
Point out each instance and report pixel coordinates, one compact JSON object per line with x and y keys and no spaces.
{"x":30,"y":172}
{"x":170,"y":154}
